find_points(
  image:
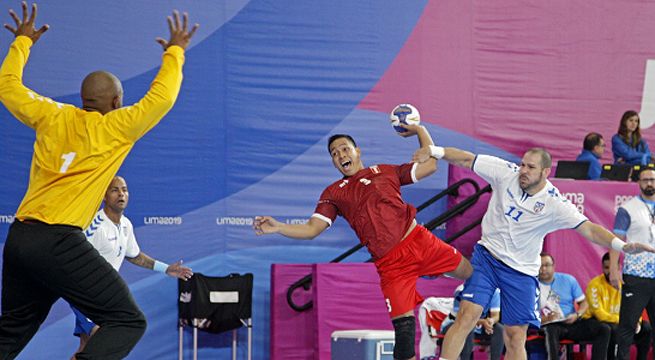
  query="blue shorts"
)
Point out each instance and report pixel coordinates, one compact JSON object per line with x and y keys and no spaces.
{"x":82,"y":324}
{"x":519,"y":292}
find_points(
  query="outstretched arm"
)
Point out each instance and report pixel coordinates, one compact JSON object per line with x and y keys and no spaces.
{"x":604,"y":237}
{"x":268,"y":225}
{"x":452,"y":155}
{"x":25,"y":104}
{"x":174,"y":270}
{"x":134,"y":121}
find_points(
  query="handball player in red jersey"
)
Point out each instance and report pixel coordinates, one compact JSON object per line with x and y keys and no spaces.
{"x":369,"y":199}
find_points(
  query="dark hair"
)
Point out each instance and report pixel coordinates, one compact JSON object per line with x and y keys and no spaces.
{"x":543,"y":253}
{"x":606,"y":257}
{"x":546,"y":160}
{"x":591,"y":141}
{"x":623,"y":129}
{"x":339,"y":136}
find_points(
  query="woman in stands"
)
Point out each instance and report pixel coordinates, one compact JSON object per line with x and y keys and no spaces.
{"x":628,"y":146}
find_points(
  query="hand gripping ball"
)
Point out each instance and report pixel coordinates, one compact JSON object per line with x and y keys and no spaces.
{"x":404,"y":114}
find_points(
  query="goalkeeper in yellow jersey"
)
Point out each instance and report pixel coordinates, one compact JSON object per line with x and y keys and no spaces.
{"x":77,"y":152}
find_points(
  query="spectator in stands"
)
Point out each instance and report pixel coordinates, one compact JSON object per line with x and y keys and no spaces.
{"x":605,"y":304}
{"x":635,"y":223}
{"x":488,"y":329}
{"x":560,"y":293}
{"x":593,"y":148}
{"x":627,"y":145}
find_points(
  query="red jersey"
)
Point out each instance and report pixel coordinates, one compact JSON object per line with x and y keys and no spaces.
{"x":371,"y":203}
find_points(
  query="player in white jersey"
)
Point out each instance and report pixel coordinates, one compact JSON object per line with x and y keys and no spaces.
{"x":112,"y":234}
{"x":635,"y":222}
{"x":524,"y":207}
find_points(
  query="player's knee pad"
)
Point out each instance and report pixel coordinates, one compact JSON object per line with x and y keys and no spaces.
{"x":405,"y":331}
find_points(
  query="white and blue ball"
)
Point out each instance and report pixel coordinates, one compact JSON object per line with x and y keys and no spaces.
{"x":404,"y":114}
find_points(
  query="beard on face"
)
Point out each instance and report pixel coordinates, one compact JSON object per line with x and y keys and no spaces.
{"x":528,"y":186}
{"x":648,"y":191}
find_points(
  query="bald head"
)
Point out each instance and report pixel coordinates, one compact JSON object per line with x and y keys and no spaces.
{"x":102,"y":92}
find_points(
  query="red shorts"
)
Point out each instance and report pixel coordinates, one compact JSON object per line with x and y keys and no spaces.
{"x":420,"y":254}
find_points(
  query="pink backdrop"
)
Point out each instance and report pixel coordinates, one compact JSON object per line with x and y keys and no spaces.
{"x":500,"y":71}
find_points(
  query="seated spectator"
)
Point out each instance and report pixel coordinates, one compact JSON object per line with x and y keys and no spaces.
{"x":627,"y":145}
{"x":605,"y":304}
{"x":488,"y":329}
{"x":593,"y":148}
{"x":559,"y":318}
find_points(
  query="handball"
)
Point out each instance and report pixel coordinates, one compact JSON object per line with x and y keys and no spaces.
{"x":404,"y":114}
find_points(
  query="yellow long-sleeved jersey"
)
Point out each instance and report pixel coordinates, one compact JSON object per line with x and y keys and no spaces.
{"x":604,"y":300}
{"x":78,"y":152}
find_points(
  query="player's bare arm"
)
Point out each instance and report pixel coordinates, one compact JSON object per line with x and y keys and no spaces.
{"x":174,"y":270}
{"x":268,"y":225}
{"x":180,"y":35}
{"x":142,"y":260}
{"x":604,"y":237}
{"x":458,"y":157}
{"x":429,"y":166}
{"x":25,"y":26}
{"x":616,"y":276}
{"x":452,"y":155}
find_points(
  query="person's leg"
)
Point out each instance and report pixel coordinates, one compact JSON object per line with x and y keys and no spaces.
{"x":90,"y":284}
{"x":650,"y":308}
{"x":64,"y":262}
{"x":467,"y":317}
{"x":514,"y":337}
{"x":463,"y":271}
{"x":478,"y":289}
{"x":642,"y":340}
{"x":497,"y":344}
{"x":467,"y":350}
{"x":591,"y":330}
{"x":84,"y":329}
{"x":611,"y":347}
{"x":421,"y":253}
{"x":405,"y":336}
{"x":519,"y":296}
{"x":437,"y":258}
{"x":25,"y":301}
{"x":633,"y":301}
{"x":84,"y":338}
{"x":553,"y":334}
{"x":398,"y":270}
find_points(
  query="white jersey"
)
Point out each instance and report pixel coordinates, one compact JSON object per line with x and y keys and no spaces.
{"x":113,"y":241}
{"x":514,"y":226}
{"x":634,"y":220}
